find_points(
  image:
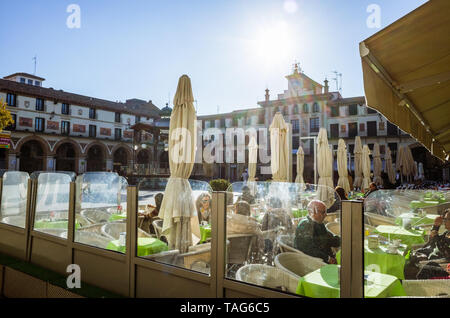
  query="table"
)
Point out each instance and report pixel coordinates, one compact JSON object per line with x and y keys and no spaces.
{"x":415,"y":219}
{"x":408,"y":237}
{"x":205,"y":232}
{"x":146,"y":246}
{"x":422,"y":204}
{"x":324,"y":283}
{"x":382,"y":261}
{"x":299,"y":213}
{"x":117,"y":217}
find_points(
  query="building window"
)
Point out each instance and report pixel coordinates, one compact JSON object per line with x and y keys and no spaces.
{"x":295,"y":126}
{"x":22,"y":80}
{"x":117,"y":117}
{"x":65,"y":127}
{"x":37,"y":83}
{"x":39,"y":124}
{"x":295,"y":109}
{"x":334,"y":111}
{"x":117,"y":134}
{"x":353,"y":110}
{"x":343,"y":128}
{"x":12,"y":126}
{"x":92,"y":131}
{"x":352,"y":130}
{"x":137,"y":119}
{"x":39,"y":104}
{"x":370,"y":147}
{"x":392,"y":130}
{"x":382,"y":149}
{"x":305,"y":108}
{"x":30,"y":82}
{"x":222,"y":122}
{"x":371,"y":128}
{"x":314,"y":124}
{"x":65,"y":109}
{"x":334,"y":130}
{"x":316,"y":108}
{"x":371,"y":111}
{"x":295,"y":142}
{"x":261,"y":118}
{"x":92,"y":113}
{"x":11,"y":99}
{"x":362,"y":127}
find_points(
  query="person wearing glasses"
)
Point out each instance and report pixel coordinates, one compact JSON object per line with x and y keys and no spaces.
{"x":203,"y":205}
{"x":313,"y":238}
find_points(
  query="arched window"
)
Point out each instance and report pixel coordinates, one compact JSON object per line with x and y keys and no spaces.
{"x":305,"y":108}
{"x":295,"y":109}
{"x":316,"y":108}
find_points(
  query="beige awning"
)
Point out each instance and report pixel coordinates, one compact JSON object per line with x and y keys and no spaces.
{"x":406,"y":69}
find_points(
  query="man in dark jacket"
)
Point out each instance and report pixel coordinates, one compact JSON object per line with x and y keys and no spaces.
{"x":313,"y":238}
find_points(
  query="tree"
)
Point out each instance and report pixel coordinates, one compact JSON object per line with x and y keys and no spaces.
{"x":5,"y":116}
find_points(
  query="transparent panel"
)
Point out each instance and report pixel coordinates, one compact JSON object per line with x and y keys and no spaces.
{"x":166,"y":246}
{"x":284,"y":236}
{"x":14,"y":198}
{"x":407,"y":243}
{"x":101,"y":210}
{"x":52,"y":204}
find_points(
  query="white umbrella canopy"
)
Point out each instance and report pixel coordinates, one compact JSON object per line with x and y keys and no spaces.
{"x":357,"y":151}
{"x":252,"y":158}
{"x":300,"y":165}
{"x":325,"y":169}
{"x":342,"y":165}
{"x":180,"y":220}
{"x":377,"y":165}
{"x":366,"y":167}
{"x":389,"y":169}
{"x":279,"y":150}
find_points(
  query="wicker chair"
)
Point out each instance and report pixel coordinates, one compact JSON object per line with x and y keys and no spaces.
{"x":285,"y":242}
{"x":267,"y":276}
{"x":331,"y":217}
{"x":427,"y":288}
{"x":112,"y":230}
{"x":334,"y":227}
{"x":297,"y":264}
{"x":376,"y":219}
{"x":240,"y":247}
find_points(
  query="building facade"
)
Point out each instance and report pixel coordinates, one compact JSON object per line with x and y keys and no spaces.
{"x":57,"y":130}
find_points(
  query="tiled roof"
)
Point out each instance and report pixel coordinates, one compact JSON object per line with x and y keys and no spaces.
{"x":144,"y":109}
{"x":24,"y":74}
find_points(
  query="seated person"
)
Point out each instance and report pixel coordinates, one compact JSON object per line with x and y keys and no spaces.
{"x":203,"y":205}
{"x":246,"y":195}
{"x":313,"y":238}
{"x":372,"y":188}
{"x":242,"y":207}
{"x":151,"y":212}
{"x":337,"y":203}
{"x":276,"y":216}
{"x":438,"y":247}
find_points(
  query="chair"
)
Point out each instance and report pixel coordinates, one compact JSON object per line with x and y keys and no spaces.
{"x":427,"y":288}
{"x":331,"y":217}
{"x":89,"y":238}
{"x":95,"y":215}
{"x":240,"y":246}
{"x":334,"y":227}
{"x":157,"y":225}
{"x":297,"y":264}
{"x":376,"y":219}
{"x":268,"y":276}
{"x":112,"y":230}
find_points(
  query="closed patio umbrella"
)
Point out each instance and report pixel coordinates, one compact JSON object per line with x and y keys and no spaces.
{"x":377,"y":165}
{"x":365,"y":167}
{"x":342,"y":165}
{"x":389,"y":169}
{"x":325,"y":169}
{"x":180,"y":221}
{"x":279,"y":148}
{"x":357,"y":151}
{"x":412,"y":168}
{"x":300,"y":165}
{"x":252,"y":158}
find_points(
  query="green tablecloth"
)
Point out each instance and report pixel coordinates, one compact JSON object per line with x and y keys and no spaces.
{"x":146,"y":246}
{"x":422,"y":204}
{"x":205,"y":232}
{"x":408,"y":237}
{"x":41,"y":224}
{"x":116,"y":217}
{"x":299,"y":213}
{"x":415,"y":219}
{"x":382,"y":261}
{"x":356,"y":195}
{"x":324,"y":283}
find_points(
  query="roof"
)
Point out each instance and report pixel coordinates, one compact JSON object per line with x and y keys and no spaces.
{"x":26,"y":75}
{"x":143,"y":109}
{"x":360,"y":100}
{"x":406,"y":69}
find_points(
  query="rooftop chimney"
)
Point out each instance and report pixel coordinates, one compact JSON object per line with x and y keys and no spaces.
{"x":267,"y":95}
{"x":326,"y":86}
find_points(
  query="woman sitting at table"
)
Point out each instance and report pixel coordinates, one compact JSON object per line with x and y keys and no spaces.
{"x":203,"y":205}
{"x":246,"y":195}
{"x":438,"y":247}
{"x":337,"y":203}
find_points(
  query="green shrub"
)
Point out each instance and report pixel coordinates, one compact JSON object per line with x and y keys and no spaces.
{"x":219,"y":184}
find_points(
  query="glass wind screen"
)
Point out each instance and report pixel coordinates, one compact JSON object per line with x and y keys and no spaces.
{"x":174,"y":226}
{"x":284,"y":236}
{"x":407,"y":243}
{"x":52,"y":204}
{"x":14,"y":198}
{"x":100,"y":201}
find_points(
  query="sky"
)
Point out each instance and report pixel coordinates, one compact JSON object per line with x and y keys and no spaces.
{"x":231,"y":49}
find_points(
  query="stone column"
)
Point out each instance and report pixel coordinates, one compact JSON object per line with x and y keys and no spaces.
{"x":82,"y":165}
{"x":109,"y":164}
